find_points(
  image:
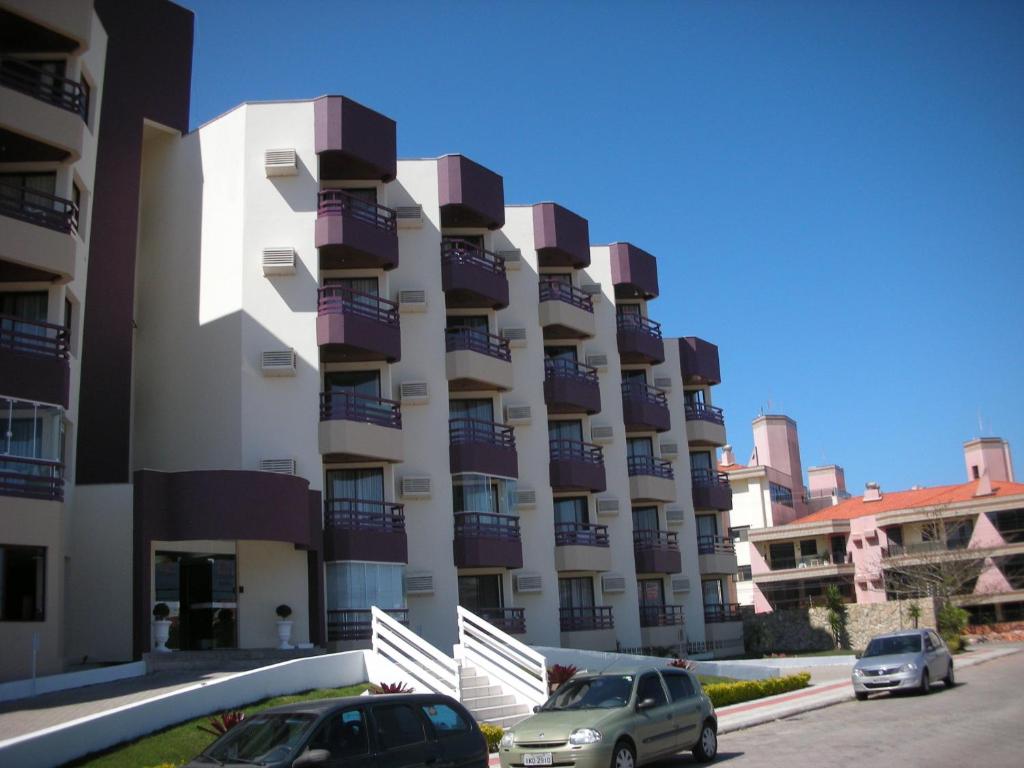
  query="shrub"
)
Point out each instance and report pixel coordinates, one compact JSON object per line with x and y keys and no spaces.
{"x":222,"y":723}
{"x":161,"y":611}
{"x":284,"y":611}
{"x":682,"y":664}
{"x":559,"y":674}
{"x":724,"y":694}
{"x":493,"y":734}
{"x":391,"y":688}
{"x":952,"y":621}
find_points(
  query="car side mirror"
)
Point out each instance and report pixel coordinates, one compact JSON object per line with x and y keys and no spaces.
{"x":646,"y":704}
{"x":312,"y":757}
{"x":536,"y":708}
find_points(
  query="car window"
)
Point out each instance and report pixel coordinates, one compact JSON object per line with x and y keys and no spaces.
{"x":263,"y":738}
{"x":885,"y":646}
{"x":679,"y":685}
{"x":343,"y":734}
{"x":928,"y":644}
{"x":935,"y":639}
{"x":446,"y":721}
{"x":397,"y":726}
{"x":650,"y":687}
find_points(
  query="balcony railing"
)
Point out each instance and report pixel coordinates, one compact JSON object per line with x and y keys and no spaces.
{"x":583,"y":619}
{"x":352,"y":406}
{"x":826,"y":493}
{"x":339,"y":300}
{"x":701,"y":412}
{"x":709,"y":478}
{"x":355,"y":624}
{"x":715,"y":545}
{"x":640,"y":324}
{"x":511,"y":620}
{"x":486,"y":525}
{"x":39,"y":208}
{"x":575,"y":450}
{"x":718,"y":613}
{"x":925,"y":547}
{"x":557,"y":290}
{"x":641,"y":391}
{"x":808,"y":561}
{"x":34,"y":81}
{"x":462,"y":431}
{"x":335,"y":202}
{"x":461,"y":252}
{"x":31,"y":478}
{"x":475,"y":340}
{"x":649,"y":465}
{"x":30,"y":337}
{"x":581,"y":534}
{"x":564,"y":368}
{"x":662,"y":615}
{"x":364,"y":515}
{"x":651,"y":539}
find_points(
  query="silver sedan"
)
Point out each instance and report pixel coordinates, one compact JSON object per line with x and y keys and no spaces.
{"x":908,"y":660}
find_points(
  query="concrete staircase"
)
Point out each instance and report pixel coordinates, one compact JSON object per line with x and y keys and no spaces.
{"x":487,"y":702}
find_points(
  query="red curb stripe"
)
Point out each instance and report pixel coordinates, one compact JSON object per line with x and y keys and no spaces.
{"x":737,"y":708}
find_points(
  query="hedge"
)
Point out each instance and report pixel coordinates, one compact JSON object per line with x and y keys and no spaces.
{"x":724,"y":694}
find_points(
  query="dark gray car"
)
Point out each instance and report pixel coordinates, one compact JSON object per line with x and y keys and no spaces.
{"x":909,"y":660}
{"x":389,"y":731}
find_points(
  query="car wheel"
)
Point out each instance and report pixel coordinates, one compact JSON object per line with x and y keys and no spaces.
{"x":949,"y":680}
{"x":706,"y":748}
{"x":623,"y":756}
{"x":861,"y":696}
{"x":926,"y":683}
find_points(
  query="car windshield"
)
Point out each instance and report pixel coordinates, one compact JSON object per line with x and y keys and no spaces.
{"x":889,"y":646}
{"x":261,"y":739}
{"x":604,"y":692}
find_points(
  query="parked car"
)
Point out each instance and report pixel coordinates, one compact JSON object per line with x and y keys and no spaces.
{"x":355,"y":732}
{"x":620,"y":719}
{"x":903,"y":661}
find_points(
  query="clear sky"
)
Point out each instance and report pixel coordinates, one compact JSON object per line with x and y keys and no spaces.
{"x":834,"y":190}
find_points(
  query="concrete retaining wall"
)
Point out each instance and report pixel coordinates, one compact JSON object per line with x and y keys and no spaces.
{"x":21,"y":689}
{"x":594,"y":661}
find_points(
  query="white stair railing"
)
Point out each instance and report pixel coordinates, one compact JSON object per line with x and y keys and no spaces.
{"x":516,"y":667}
{"x":426,"y":666}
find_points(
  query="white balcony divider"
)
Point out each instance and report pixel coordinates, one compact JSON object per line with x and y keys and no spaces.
{"x":517,"y":668}
{"x":426,"y":667}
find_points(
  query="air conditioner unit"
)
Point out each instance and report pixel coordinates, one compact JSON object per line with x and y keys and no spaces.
{"x":414,"y":487}
{"x":663,"y":382}
{"x":518,"y":414}
{"x":409,"y":216}
{"x":602,"y":433}
{"x":513,"y":259}
{"x":419,"y":583}
{"x":613,"y":582}
{"x":526,"y":498}
{"x":607,"y":506}
{"x":412,"y":301}
{"x":680,"y":584}
{"x":413,"y":392}
{"x":278,"y":466}
{"x":598,"y":360}
{"x":278,"y":261}
{"x":281,"y":162}
{"x":669,"y":450}
{"x":516,"y":337}
{"x":278,"y":362}
{"x":527,"y":582}
{"x":675,"y":515}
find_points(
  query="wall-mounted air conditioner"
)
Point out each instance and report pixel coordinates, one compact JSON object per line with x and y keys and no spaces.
{"x":278,"y":466}
{"x":278,"y":362}
{"x":278,"y":261}
{"x":409,"y":216}
{"x":412,"y":301}
{"x":413,"y":392}
{"x":281,"y":162}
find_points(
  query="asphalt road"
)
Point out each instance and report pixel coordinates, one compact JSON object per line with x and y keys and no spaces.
{"x":977,"y":724}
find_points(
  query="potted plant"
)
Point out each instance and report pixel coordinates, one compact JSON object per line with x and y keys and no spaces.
{"x":161,"y":627}
{"x":284,"y":627}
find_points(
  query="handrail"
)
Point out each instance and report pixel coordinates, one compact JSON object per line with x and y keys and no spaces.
{"x":464,"y":430}
{"x":586,"y":618}
{"x":31,"y":478}
{"x":488,"y":525}
{"x":717,"y":613}
{"x":649,"y":465}
{"x":630,"y":322}
{"x":563,"y":368}
{"x":463,"y":252}
{"x":342,"y":405}
{"x":476,"y":340}
{"x":32,"y":80}
{"x":357,"y":623}
{"x":364,"y":515}
{"x":708,"y":477}
{"x":575,"y":450}
{"x":826,"y":493}
{"x":33,"y":337}
{"x":715,"y":545}
{"x":582,"y":534}
{"x":647,"y":538}
{"x":40,"y":208}
{"x":420,"y":662}
{"x":337,"y":202}
{"x":641,"y":390}
{"x":662,"y":615}
{"x":558,"y":290}
{"x":702,"y":412}
{"x":515,"y":666}
{"x":339,"y":300}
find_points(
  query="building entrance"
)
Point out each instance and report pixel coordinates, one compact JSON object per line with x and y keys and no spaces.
{"x":201,"y":593}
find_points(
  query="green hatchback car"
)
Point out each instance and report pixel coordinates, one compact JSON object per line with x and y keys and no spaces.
{"x":616,"y":720}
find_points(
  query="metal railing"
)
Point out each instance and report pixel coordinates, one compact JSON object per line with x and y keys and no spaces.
{"x":715,"y":545}
{"x":563,"y":368}
{"x":701,"y":412}
{"x":708,"y":478}
{"x":31,"y":337}
{"x":511,"y":620}
{"x":476,"y":340}
{"x":640,"y":324}
{"x":649,"y":465}
{"x":339,"y":300}
{"x":464,"y":253}
{"x":462,"y":431}
{"x":643,"y":392}
{"x":716,"y":613}
{"x":364,"y":515}
{"x":352,"y":406}
{"x":584,"y":619}
{"x":31,"y":478}
{"x":39,"y":208}
{"x":356,"y":624}
{"x":335,"y":202}
{"x":486,"y":525}
{"x":646,"y":538}
{"x":575,"y":450}
{"x":826,"y":493}
{"x":39,"y":83}
{"x":926,"y":547}
{"x":581,"y":534}
{"x":557,"y":290}
{"x":662,"y":615}
{"x":485,"y":645}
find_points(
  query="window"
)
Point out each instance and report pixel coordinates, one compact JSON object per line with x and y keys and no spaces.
{"x":628,"y":309}
{"x":357,"y":586}
{"x":446,"y":721}
{"x":365,"y":383}
{"x":808,"y":547}
{"x":566,"y":430}
{"x":28,"y":305}
{"x":342,"y":734}
{"x":561,"y":353}
{"x":576,"y":592}
{"x":481,"y":409}
{"x":838,"y":547}
{"x":355,"y":485}
{"x":781,"y":555}
{"x":29,"y":191}
{"x":639,"y":446}
{"x":650,"y":687}
{"x":743,"y":573}
{"x":76,"y":198}
{"x":712,"y":591}
{"x":974,"y":472}
{"x":700,"y":460}
{"x":572,"y":510}
{"x":739,"y":533}
{"x":679,"y":685}
{"x":483,"y":493}
{"x":651,"y":592}
{"x":477,"y":593}
{"x":1010,"y":524}
{"x":694,"y":398}
{"x":707,"y":526}
{"x":894,"y":535}
{"x":473,"y":322}
{"x":31,"y":431}
{"x":645,"y":519}
{"x":628,"y":377}
{"x":780,"y":494}
{"x":22,"y":583}
{"x":398,"y":725}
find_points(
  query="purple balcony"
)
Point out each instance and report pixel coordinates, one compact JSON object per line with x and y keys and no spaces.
{"x":581,"y":535}
{"x":353,"y":141}
{"x":699,"y":361}
{"x":585,"y":619}
{"x":711,"y":490}
{"x":576,"y":466}
{"x":358,"y":529}
{"x":701,"y":412}
{"x":639,"y":340}
{"x":352,"y":326}
{"x":719,"y":613}
{"x":482,"y":446}
{"x":358,"y":428}
{"x":571,"y":387}
{"x":357,"y":624}
{"x":39,"y":208}
{"x":634,"y":272}
{"x":34,"y":361}
{"x":565,"y":312}
{"x":31,"y":478}
{"x":662,"y":615}
{"x":25,"y":77}
{"x":469,"y":194}
{"x":562,"y":238}
{"x":511,"y":620}
{"x":656,"y":552}
{"x":484,"y":540}
{"x":644,"y":408}
{"x":472,"y":277}
{"x":354,"y":233}
{"x":477,"y":360}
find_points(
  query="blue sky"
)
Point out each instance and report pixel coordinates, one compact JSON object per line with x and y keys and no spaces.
{"x":834,"y":190}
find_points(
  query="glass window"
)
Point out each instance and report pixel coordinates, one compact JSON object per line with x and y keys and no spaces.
{"x":446,"y":721}
{"x":739,"y":533}
{"x":693,"y":397}
{"x":480,"y":409}
{"x":645,"y":519}
{"x":367,"y":285}
{"x":707,"y":525}
{"x":357,"y":586}
{"x":627,"y":309}
{"x":22,"y":583}
{"x":650,"y":687}
{"x":780,"y":494}
{"x":679,"y":685}
{"x":576,"y":592}
{"x":398,"y":725}
{"x":651,"y":591}
{"x":262,"y":738}
{"x":782,"y":555}
{"x":26,"y":305}
{"x":360,"y":382}
{"x":479,"y":592}
{"x":362,"y":484}
{"x":700,"y":460}
{"x":712,"y":589}
{"x":808,"y":547}
{"x":31,"y":431}
{"x":342,"y":734}
{"x":560,"y":353}
{"x":573,"y":510}
{"x":604,"y":692}
{"x":743,"y":573}
{"x":476,"y":322}
{"x":639,"y":446}
{"x":483,"y":493}
{"x":634,"y":375}
{"x":565,"y":430}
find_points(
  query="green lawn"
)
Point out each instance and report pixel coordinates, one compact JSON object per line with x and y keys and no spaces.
{"x":180,"y":743}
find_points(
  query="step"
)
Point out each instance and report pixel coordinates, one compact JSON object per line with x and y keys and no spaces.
{"x":503,"y":710}
{"x":479,"y":691}
{"x":483,"y":702}
{"x":506,"y":722}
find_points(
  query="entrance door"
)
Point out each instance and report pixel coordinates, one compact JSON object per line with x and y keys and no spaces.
{"x":208,"y":602}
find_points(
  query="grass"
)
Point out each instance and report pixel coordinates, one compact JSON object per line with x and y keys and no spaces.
{"x":180,"y":743}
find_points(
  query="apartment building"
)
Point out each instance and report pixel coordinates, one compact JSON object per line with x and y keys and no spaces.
{"x":869,"y":546}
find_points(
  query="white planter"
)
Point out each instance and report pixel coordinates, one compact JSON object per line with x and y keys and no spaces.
{"x":284,"y":634}
{"x":161,"y":631}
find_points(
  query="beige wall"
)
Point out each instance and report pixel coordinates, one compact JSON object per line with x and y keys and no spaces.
{"x":272,"y":573}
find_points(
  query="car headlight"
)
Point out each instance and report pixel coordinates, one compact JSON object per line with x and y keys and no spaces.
{"x":909,"y":667}
{"x":507,"y":740}
{"x":584,"y":736}
{"x":858,"y":672}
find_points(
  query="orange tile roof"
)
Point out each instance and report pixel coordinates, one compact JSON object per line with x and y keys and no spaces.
{"x":923,"y":497}
{"x":732,"y":467}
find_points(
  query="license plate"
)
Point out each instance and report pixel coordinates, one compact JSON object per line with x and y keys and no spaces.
{"x":537,"y":758}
